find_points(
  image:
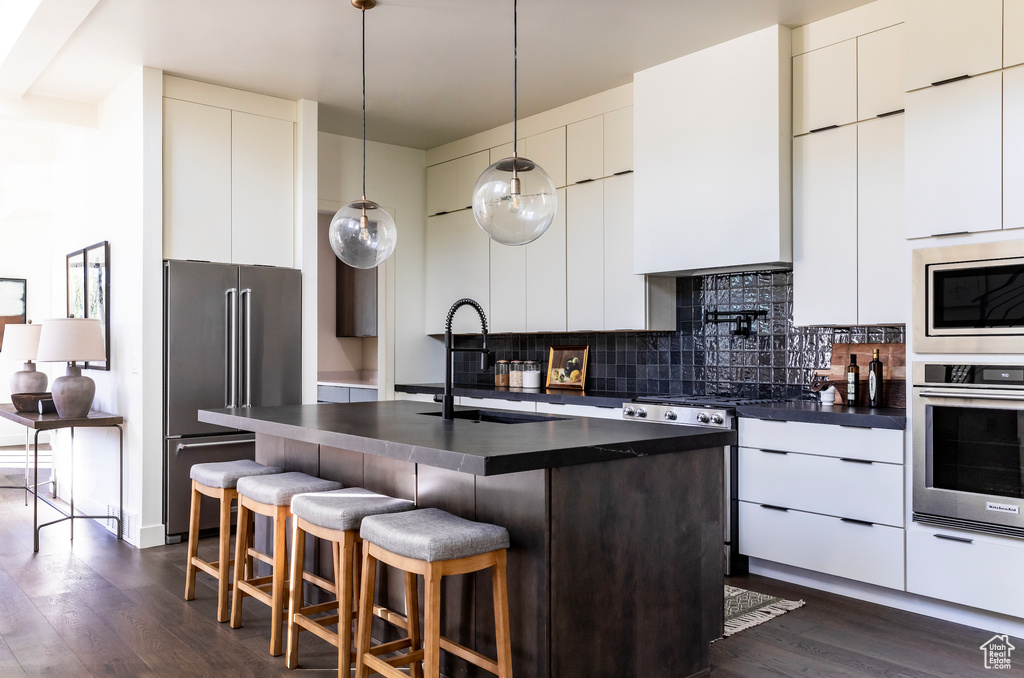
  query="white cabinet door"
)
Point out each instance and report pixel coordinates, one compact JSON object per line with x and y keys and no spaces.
{"x":441,"y":265}
{"x":880,"y":72}
{"x":882,"y":267}
{"x":625,"y":302}
{"x":951,"y":38}
{"x":584,"y":150}
{"x":262,"y":190}
{"x":1013,"y":148}
{"x":469,"y":169}
{"x":825,"y":227}
{"x":825,"y":87}
{"x":442,"y":187}
{"x":1013,"y":32}
{"x":508,"y":283}
{"x":545,"y":276}
{"x":473,"y":269}
{"x":954,"y":157}
{"x":870,"y":444}
{"x":618,"y":141}
{"x":584,"y":265}
{"x":197,"y":181}
{"x":547,"y":149}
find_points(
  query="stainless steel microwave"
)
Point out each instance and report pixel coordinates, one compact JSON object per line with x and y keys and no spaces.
{"x":969,"y":298}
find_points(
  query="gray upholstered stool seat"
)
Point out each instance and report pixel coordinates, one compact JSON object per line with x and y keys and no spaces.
{"x":225,"y":474}
{"x":345,"y":509}
{"x":278,"y":490}
{"x":432,"y":535}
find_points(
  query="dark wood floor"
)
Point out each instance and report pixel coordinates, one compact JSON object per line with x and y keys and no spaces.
{"x":100,"y":607}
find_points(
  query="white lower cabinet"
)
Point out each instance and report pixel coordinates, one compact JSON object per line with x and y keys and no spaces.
{"x":498,"y":404}
{"x":966,"y":568}
{"x":580,"y":410}
{"x":869,"y":444}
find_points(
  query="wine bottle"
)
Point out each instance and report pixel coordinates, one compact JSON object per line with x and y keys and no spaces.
{"x":852,"y":381}
{"x":875,"y":380}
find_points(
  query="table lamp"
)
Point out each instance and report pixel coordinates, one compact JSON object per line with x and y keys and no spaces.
{"x":21,"y":342}
{"x":70,"y":340}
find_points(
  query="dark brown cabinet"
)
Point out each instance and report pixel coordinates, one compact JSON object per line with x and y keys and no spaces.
{"x":356,"y":301}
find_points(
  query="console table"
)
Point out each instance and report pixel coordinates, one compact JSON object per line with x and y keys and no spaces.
{"x":50,"y":422}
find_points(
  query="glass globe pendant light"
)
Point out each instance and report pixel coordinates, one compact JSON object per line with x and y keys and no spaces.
{"x":362,"y":233}
{"x":514,"y":200}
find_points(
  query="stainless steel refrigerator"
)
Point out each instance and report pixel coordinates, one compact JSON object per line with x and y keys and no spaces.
{"x":232,"y":338}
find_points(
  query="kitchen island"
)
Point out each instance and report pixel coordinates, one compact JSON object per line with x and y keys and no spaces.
{"x":615,"y":567}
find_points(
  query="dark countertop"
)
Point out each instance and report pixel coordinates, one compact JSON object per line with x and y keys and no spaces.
{"x":552,"y":395}
{"x":399,"y":430}
{"x":816,"y":413}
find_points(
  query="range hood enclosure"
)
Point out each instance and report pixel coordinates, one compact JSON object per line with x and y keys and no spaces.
{"x":713,"y":156}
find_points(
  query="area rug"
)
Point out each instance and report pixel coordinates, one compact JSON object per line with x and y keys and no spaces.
{"x":745,"y":609}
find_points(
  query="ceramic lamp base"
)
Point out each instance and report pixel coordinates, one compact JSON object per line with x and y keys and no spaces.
{"x":73,"y":394}
{"x":28,"y":380}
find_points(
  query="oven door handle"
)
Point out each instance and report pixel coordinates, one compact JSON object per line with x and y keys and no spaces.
{"x":973,"y":395}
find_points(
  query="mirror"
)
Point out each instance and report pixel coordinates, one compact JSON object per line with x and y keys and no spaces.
{"x":89,"y":292}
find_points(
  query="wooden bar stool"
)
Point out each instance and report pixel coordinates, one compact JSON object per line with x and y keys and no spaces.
{"x":432,"y":543}
{"x":269,"y":496}
{"x":217,"y":480}
{"x":336,"y":516}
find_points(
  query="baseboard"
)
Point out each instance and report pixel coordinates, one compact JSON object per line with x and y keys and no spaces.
{"x":150,"y":536}
{"x":901,"y":600}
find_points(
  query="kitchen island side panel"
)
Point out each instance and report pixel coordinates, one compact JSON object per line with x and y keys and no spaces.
{"x":636,"y":566}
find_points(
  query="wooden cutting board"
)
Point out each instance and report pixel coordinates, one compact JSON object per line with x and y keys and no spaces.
{"x":894,"y":371}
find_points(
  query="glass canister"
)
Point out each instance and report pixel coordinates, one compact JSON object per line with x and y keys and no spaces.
{"x":501,"y":373}
{"x":515,"y":374}
{"x":531,"y":374}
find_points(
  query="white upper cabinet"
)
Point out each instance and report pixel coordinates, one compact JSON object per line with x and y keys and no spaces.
{"x":825,"y":227}
{"x":584,"y":142}
{"x":470,"y":167}
{"x":713,"y":143}
{"x":952,"y":38}
{"x":1013,"y":32}
{"x":547,"y":149}
{"x":618,"y":141}
{"x":882,"y":280}
{"x":624,"y":292}
{"x":450,"y":184}
{"x":457,"y":265}
{"x":584,"y":247}
{"x":1013,"y":148}
{"x":545,"y":276}
{"x":825,"y":87}
{"x":880,"y":72}
{"x":953,"y":157}
{"x":508,"y":288}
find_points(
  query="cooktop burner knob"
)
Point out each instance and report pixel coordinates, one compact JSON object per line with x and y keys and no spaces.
{"x":629,"y":412}
{"x":641,"y":412}
{"x":670,"y":415}
{"x":717,"y":419}
{"x":703,"y":418}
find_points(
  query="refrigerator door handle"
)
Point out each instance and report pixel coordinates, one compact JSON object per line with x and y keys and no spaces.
{"x":231,"y":347}
{"x":246,"y":294}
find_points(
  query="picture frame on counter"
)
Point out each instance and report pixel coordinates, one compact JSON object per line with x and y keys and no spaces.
{"x":567,"y":367}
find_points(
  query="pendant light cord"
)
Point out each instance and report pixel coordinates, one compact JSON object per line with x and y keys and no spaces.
{"x":515,"y":78}
{"x":364,"y":103}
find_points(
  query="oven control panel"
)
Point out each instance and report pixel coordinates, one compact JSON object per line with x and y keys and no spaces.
{"x":965,"y":374}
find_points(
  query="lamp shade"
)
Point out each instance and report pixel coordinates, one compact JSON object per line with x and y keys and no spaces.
{"x":21,"y":342}
{"x":65,"y":340}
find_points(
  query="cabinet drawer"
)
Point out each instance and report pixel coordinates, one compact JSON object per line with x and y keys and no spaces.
{"x":362,"y":395}
{"x":580,"y":410}
{"x":498,"y":404}
{"x":973,"y":573}
{"x":333,"y":394}
{"x":829,"y":485}
{"x":867,"y":553}
{"x":872,"y":444}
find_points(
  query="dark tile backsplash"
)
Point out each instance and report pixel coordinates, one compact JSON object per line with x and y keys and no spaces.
{"x":775,"y":361}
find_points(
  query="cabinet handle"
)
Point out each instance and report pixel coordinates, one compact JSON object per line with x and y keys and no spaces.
{"x":942,"y":235}
{"x":857,"y":522}
{"x":962,"y":540}
{"x":856,"y":461}
{"x":774,"y":508}
{"x":585,"y":181}
{"x":775,"y":451}
{"x":619,"y":174}
{"x":822,"y":129}
{"x":886,"y":115}
{"x":949,"y":80}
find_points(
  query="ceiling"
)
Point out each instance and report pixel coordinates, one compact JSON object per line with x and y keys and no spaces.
{"x":437,"y":70}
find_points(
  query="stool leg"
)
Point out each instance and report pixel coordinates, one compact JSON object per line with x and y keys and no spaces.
{"x":224,"y":559}
{"x":295,"y":593}
{"x":193,"y":544}
{"x":412,"y":615}
{"x":343,"y":583}
{"x":241,"y":556}
{"x":249,"y":543}
{"x":502,"y":634}
{"x":278,"y":579}
{"x":365,"y":611}
{"x":432,"y":623}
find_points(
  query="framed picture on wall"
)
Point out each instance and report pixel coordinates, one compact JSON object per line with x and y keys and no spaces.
{"x":89,"y":292}
{"x":13,"y":306}
{"x":567,"y":366}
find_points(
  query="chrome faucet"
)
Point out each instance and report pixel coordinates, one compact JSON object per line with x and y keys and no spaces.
{"x":447,"y":400}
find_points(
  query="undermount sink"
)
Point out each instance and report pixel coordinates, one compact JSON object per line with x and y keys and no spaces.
{"x":499,"y":417}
